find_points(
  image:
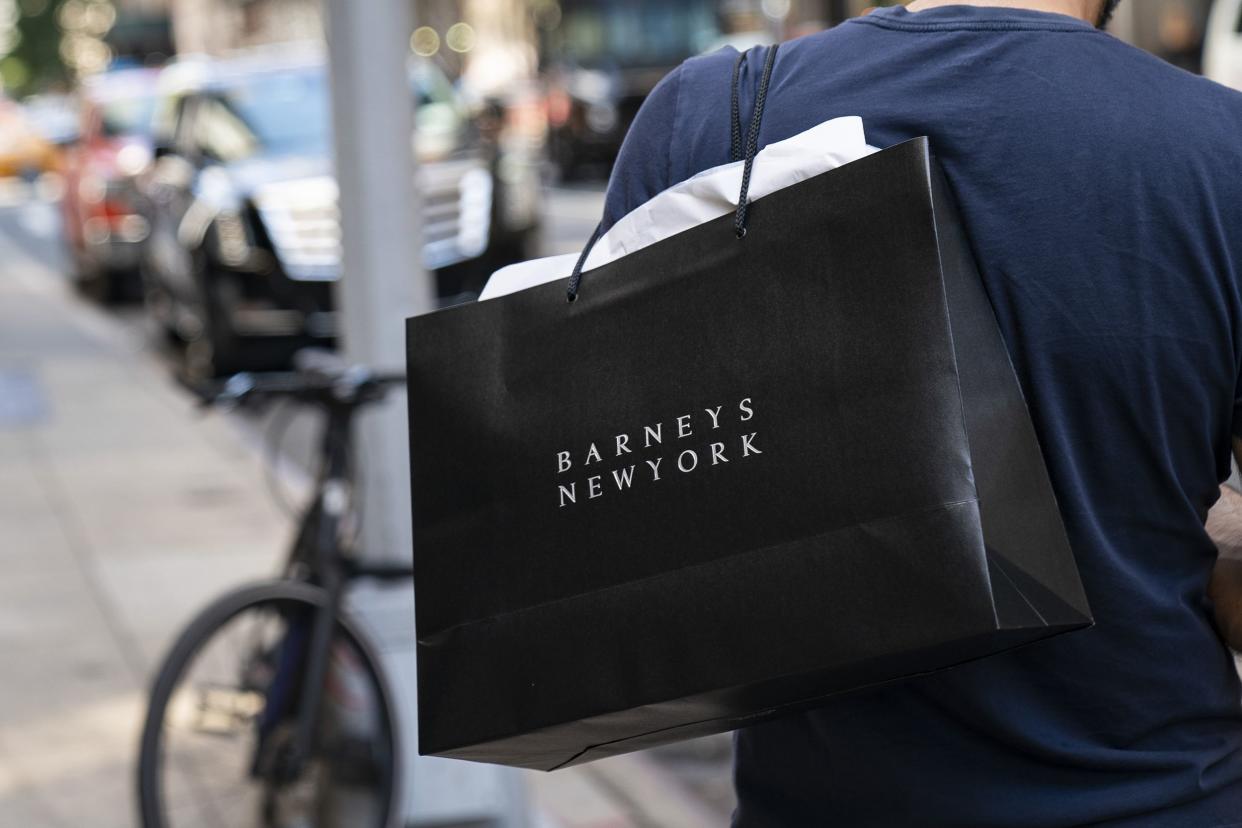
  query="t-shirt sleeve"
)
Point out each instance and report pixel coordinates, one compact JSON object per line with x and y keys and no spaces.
{"x":642,"y":168}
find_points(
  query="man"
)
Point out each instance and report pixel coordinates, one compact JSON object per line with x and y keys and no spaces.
{"x":1102,"y":190}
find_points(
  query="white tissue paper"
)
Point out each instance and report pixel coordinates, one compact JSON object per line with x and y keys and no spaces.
{"x":708,"y":195}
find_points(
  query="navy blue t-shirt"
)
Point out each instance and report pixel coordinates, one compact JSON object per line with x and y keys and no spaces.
{"x":1102,"y":190}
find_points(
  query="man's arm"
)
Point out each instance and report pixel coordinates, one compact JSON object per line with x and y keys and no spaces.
{"x":1224,"y":526}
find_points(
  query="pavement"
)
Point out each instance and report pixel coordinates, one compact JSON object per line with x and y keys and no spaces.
{"x":122,"y":511}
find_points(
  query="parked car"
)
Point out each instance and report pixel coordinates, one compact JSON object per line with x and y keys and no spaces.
{"x":602,"y":58}
{"x":101,"y":214}
{"x":242,"y":205}
{"x":1222,"y":43}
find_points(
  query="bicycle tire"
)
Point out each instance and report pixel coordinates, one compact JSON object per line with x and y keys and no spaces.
{"x":190,"y":642}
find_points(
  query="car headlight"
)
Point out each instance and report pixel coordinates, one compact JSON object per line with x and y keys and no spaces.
{"x":601,"y":117}
{"x":232,"y":241}
{"x":92,"y":189}
{"x":133,"y":159}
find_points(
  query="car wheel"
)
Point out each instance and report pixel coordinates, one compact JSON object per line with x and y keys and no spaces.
{"x":96,"y":287}
{"x":159,"y":305}
{"x":92,"y":281}
{"x":213,"y":349}
{"x":565,"y":158}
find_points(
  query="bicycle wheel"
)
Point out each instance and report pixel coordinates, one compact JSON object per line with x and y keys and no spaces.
{"x":218,"y":735}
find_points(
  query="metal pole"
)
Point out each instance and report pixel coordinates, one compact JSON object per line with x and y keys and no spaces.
{"x":382,"y":283}
{"x":382,"y":276}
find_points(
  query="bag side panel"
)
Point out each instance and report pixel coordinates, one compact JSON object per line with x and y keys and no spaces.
{"x":1032,"y":562}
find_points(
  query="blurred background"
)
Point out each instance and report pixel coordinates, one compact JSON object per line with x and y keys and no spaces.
{"x":193,"y":188}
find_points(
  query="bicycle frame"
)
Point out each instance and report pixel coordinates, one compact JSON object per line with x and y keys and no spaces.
{"x":318,"y":547}
{"x":294,"y":670}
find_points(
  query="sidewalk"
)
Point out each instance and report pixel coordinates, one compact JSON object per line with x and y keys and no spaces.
{"x":122,"y":511}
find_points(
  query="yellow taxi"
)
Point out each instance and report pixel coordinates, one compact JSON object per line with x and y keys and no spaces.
{"x":22,"y":150}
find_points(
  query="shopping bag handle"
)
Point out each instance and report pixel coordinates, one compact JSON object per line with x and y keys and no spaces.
{"x":736,"y":148}
{"x":752,"y":139}
{"x":745,"y":153}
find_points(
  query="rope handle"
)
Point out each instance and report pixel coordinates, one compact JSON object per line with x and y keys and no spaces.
{"x":738,"y":152}
{"x":575,"y":279}
{"x":752,"y":144}
{"x":735,"y":112}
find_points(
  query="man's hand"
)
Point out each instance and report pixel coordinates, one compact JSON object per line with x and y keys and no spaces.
{"x":1224,"y":526}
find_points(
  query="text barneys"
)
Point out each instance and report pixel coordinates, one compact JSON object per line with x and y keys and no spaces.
{"x":653,"y":436}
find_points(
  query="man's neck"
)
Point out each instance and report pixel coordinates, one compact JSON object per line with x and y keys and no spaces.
{"x":1086,"y":10}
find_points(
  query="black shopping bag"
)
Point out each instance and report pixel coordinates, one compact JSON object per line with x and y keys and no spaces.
{"x":734,"y":477}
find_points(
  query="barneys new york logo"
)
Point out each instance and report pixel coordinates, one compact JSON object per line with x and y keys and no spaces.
{"x":652,"y":437}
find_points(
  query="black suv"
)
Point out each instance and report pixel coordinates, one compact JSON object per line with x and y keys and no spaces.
{"x":242,"y":203}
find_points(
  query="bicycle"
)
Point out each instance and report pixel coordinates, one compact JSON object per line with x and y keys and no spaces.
{"x":272,"y":708}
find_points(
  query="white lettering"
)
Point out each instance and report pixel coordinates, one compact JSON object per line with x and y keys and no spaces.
{"x":594,"y":452}
{"x":624,"y":477}
{"x":687,"y":461}
{"x":747,"y":411}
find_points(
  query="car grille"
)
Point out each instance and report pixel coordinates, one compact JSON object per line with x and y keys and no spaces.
{"x":302,"y":218}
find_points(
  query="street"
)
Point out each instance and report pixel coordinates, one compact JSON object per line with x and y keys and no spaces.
{"x":123,"y":510}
